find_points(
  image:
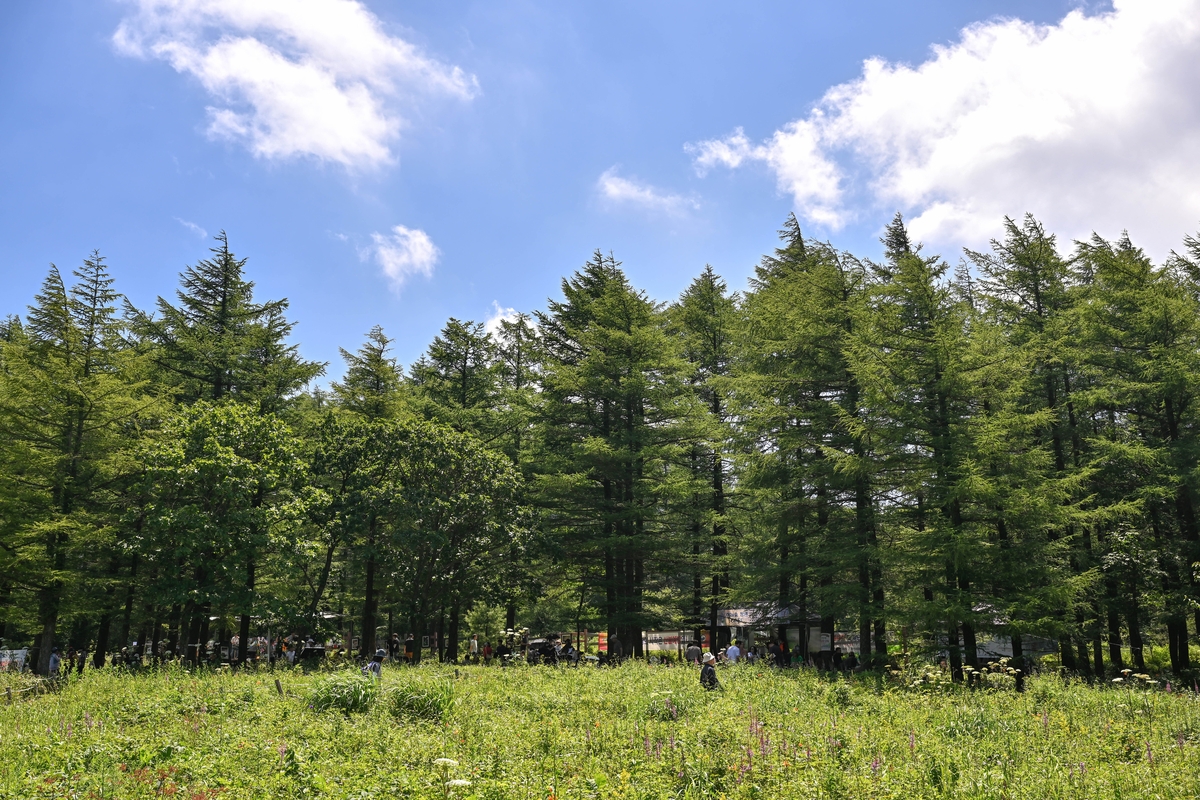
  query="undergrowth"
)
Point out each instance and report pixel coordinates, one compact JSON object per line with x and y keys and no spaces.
{"x":632,"y":732}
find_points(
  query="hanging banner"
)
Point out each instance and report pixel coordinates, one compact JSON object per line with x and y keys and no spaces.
{"x":13,"y":660}
{"x":664,"y":641}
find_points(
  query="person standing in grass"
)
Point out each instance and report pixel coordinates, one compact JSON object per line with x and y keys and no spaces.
{"x":409,"y":644}
{"x":733,"y":652}
{"x":394,"y":647}
{"x":474,"y":648}
{"x":708,"y":673}
{"x":615,"y":649}
{"x":375,"y":667}
{"x":692,"y":654}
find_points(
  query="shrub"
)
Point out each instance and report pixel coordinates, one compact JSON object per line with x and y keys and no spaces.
{"x":348,"y":692}
{"x":421,"y":699}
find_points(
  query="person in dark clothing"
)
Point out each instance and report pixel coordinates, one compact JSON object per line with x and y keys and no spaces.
{"x":615,"y":649}
{"x":692,"y":654}
{"x":409,"y":645}
{"x":374,"y":667}
{"x":708,"y":673}
{"x":394,"y":647}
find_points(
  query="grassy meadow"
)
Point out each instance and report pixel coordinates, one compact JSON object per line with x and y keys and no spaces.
{"x":636,"y":731}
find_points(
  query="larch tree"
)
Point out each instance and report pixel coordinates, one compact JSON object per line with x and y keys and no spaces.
{"x":71,"y":399}
{"x":617,"y":416}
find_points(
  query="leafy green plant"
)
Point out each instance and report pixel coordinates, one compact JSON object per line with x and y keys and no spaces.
{"x":668,"y":706}
{"x":347,"y":692}
{"x":421,"y":699}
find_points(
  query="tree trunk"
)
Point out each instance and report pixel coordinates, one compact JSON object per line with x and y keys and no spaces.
{"x":1115,"y":656}
{"x":173,"y":627}
{"x":205,"y":624}
{"x":102,"y":634}
{"x":244,"y":629}
{"x":956,"y":664}
{"x":441,"y":634}
{"x":970,"y":647}
{"x":1067,"y":653}
{"x":1136,"y":653}
{"x":366,"y":645}
{"x":1018,"y":661}
{"x":452,"y":639}
{"x":697,"y":587}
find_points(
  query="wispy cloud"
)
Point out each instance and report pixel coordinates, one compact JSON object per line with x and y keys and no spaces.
{"x":404,"y":252}
{"x":193,"y":227}
{"x":630,"y":191}
{"x":1090,"y":122}
{"x":317,"y":78}
{"x":499,"y":314}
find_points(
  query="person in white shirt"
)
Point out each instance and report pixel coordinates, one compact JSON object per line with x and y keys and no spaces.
{"x":733,"y":652}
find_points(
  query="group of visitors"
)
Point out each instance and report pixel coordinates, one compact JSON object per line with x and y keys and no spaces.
{"x":776,"y":654}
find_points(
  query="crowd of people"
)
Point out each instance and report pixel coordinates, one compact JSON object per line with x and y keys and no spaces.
{"x":511,"y":645}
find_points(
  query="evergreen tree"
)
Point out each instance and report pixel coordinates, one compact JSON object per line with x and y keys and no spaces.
{"x":1033,"y":374}
{"x":1142,"y":326}
{"x":617,"y":415}
{"x":217,"y":342}
{"x":705,"y":320}
{"x":457,"y":377}
{"x":805,"y":413}
{"x":70,"y":398}
{"x":910,"y":361}
{"x":372,"y":385}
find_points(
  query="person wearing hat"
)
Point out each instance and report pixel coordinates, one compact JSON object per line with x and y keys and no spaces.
{"x":708,"y":672}
{"x":375,"y":667}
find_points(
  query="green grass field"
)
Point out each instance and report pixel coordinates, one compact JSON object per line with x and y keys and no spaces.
{"x":634,"y":732}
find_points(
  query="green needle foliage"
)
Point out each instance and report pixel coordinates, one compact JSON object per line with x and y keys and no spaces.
{"x":932,"y":461}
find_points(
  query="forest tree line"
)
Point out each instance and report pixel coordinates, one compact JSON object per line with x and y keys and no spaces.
{"x":926,"y":455}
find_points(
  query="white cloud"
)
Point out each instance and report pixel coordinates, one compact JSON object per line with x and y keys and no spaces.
{"x":403,"y":253}
{"x":499,"y":314}
{"x":193,"y":227}
{"x":1091,"y":123}
{"x":291,"y":78}
{"x":618,"y":190}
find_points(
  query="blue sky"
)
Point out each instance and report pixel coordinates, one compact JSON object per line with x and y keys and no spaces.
{"x":400,"y":163}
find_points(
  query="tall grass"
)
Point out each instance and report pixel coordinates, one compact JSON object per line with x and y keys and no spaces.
{"x":631,"y":732}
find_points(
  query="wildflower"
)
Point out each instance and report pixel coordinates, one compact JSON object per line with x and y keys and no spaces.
{"x":458,"y":783}
{"x":445,"y":762}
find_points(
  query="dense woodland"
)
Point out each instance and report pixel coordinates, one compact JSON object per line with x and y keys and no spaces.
{"x":923,"y":454}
